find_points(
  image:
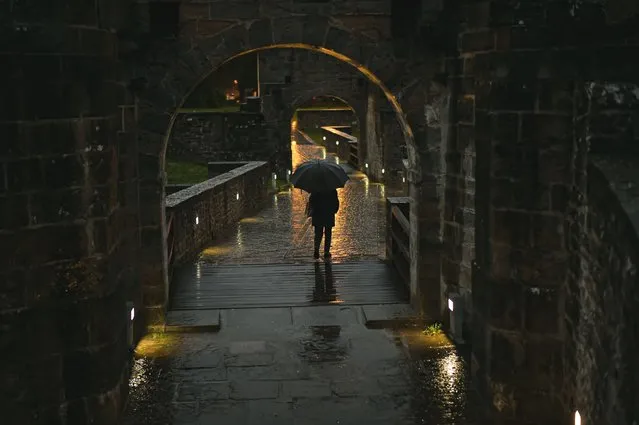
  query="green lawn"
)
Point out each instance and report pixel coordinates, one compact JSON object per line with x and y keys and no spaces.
{"x":181,"y":172}
{"x":227,"y":108}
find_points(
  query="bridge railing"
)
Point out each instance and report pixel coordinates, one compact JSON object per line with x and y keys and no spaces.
{"x":353,"y":155}
{"x":398,"y":235}
{"x":198,"y":215}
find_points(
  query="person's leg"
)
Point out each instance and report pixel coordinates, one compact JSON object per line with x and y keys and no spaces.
{"x":328,"y":236}
{"x":318,"y":241}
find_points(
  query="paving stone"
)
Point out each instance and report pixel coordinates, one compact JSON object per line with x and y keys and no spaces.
{"x":306,"y":389}
{"x":279,"y":371}
{"x":185,"y":412}
{"x":356,"y":387}
{"x":192,"y":391}
{"x":268,"y":412}
{"x":223,"y":413}
{"x":256,"y":321}
{"x":201,"y":374}
{"x":324,"y":316}
{"x":252,"y":359}
{"x":388,"y":315}
{"x":193,"y":321}
{"x":247,"y":347}
{"x":202,"y":359}
{"x":254,"y":390}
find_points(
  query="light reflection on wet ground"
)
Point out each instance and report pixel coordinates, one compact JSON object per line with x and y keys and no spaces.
{"x":281,"y":233}
{"x":301,"y":365}
{"x":273,"y":366}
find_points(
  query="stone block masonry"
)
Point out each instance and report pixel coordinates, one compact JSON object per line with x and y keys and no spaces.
{"x":68,"y":214}
{"x":206,"y":211}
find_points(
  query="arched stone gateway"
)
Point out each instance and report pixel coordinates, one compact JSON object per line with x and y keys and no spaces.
{"x":168,"y":74}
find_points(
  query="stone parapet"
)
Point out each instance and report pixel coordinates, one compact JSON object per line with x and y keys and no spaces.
{"x":206,"y":211}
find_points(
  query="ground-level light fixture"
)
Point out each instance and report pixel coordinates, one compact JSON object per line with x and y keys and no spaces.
{"x":337,"y":142}
{"x":237,"y":196}
{"x":197,"y":220}
{"x":403,"y":179}
{"x":324,"y":138}
{"x":274,"y":176}
{"x":456,"y":316}
{"x":337,"y":159}
{"x":382,"y":171}
{"x":130,"y":329}
{"x":577,"y":418}
{"x":367,"y":165}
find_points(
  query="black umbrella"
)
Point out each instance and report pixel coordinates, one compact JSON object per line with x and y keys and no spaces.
{"x":319,"y":176}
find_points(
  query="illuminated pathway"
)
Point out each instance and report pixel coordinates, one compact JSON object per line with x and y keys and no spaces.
{"x":314,"y":363}
{"x":281,"y":233}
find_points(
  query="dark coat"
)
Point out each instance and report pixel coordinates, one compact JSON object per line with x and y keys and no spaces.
{"x":324,"y":206}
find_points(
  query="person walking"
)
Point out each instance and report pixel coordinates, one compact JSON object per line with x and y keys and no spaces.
{"x":322,"y":209}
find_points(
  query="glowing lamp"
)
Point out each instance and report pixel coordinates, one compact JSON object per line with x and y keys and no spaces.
{"x":403,"y":179}
{"x":367,"y":165}
{"x":237,"y":196}
{"x":132,"y":313}
{"x":382,"y":171}
{"x":451,"y":305}
{"x":337,"y":142}
{"x":577,"y":418}
{"x":324,"y":138}
{"x":197,"y":220}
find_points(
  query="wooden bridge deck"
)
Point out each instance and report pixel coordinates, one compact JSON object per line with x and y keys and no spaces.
{"x":209,"y":286}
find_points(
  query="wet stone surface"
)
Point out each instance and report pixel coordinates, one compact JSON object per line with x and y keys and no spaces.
{"x":282,"y":233}
{"x":285,"y":371}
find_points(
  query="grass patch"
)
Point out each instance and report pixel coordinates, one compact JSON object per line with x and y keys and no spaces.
{"x":433,"y":330}
{"x":180,"y":172}
{"x":226,"y":108}
{"x":314,"y":133}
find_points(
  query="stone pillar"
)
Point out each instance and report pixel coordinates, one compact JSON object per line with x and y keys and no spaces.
{"x":373,"y":152}
{"x":394,"y":151}
{"x":65,"y":233}
{"x":524,"y":155}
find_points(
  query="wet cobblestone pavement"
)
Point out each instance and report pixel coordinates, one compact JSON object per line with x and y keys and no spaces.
{"x":281,"y":233}
{"x":310,"y":365}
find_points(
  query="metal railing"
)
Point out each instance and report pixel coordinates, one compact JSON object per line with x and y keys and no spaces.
{"x":398,"y":235}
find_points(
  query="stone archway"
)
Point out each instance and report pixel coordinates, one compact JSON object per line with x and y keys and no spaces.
{"x":170,"y":73}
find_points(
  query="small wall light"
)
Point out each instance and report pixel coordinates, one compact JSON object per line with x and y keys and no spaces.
{"x":451,"y":305}
{"x":288,"y":172}
{"x":274,"y":176}
{"x":237,"y":196}
{"x":577,"y":418}
{"x":382,"y":171}
{"x":324,"y":138}
{"x":337,"y":142}
{"x":367,"y":165}
{"x":337,"y":159}
{"x":132,"y":313}
{"x":197,"y":220}
{"x":403,"y":179}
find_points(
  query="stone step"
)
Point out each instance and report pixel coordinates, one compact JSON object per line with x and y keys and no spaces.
{"x":193,"y":321}
{"x":382,"y":316}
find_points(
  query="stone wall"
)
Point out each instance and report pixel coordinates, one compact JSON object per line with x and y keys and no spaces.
{"x":218,"y":204}
{"x":216,"y":136}
{"x":68,"y":214}
{"x":602,"y":373}
{"x":314,"y":119}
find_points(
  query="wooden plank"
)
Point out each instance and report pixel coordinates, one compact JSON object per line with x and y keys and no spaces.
{"x":401,"y":218}
{"x":207,"y":286}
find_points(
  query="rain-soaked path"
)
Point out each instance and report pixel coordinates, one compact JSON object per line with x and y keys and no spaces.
{"x":281,"y":233}
{"x":298,"y":364}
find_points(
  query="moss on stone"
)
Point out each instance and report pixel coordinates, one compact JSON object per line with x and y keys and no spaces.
{"x":182,"y":172}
